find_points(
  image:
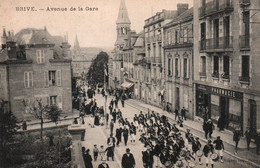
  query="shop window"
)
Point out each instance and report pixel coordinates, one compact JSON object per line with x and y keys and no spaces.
{"x":225,"y":74}
{"x":215,"y":67}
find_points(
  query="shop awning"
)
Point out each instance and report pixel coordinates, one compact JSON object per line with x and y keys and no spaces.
{"x":127,"y":84}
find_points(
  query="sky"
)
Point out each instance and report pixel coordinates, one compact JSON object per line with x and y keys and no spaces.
{"x":93,"y":28}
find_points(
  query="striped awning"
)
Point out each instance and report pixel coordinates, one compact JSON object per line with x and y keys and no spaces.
{"x":127,"y":84}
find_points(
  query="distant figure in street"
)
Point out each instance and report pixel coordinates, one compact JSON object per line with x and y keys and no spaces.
{"x":236,"y":138}
{"x":183,"y":114}
{"x":24,"y":125}
{"x":147,"y":157}
{"x":125,"y":135}
{"x":112,"y":103}
{"x":111,"y":124}
{"x":116,"y":102}
{"x":110,"y":151}
{"x":208,"y":150}
{"x":102,"y":152}
{"x":123,"y":100}
{"x":114,"y":115}
{"x":196,"y":145}
{"x":219,"y":147}
{"x":132,"y":129}
{"x":110,"y":109}
{"x":88,"y":160}
{"x":118,"y":135}
{"x":248,"y":135}
{"x":221,"y":123}
{"x":111,"y":140}
{"x":107,"y":118}
{"x":176,"y":111}
{"x":128,"y":160}
{"x":96,"y":120}
{"x":208,"y":128}
{"x":257,"y":141}
{"x":95,"y":152}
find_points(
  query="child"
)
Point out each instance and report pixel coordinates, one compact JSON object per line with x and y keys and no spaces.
{"x":95,"y":152}
{"x":102,"y":153}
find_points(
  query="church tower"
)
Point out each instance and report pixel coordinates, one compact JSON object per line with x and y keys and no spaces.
{"x":122,"y":25}
{"x":76,"y":47}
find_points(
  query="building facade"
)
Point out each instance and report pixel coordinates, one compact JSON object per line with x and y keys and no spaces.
{"x":80,"y":64}
{"x":33,"y":67}
{"x":226,"y":62}
{"x":154,"y":52}
{"x":178,"y":53}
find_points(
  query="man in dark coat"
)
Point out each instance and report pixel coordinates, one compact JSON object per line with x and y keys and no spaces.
{"x":114,"y":115}
{"x":125,"y":135}
{"x":103,"y":165}
{"x":183,"y":113}
{"x":148,"y":158}
{"x":118,"y":135}
{"x":111,"y":140}
{"x":128,"y":160}
{"x":208,"y":128}
{"x":257,"y":141}
{"x":176,"y":111}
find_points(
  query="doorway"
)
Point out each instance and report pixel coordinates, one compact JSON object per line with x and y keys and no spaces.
{"x":252,"y":119}
{"x":224,"y":110}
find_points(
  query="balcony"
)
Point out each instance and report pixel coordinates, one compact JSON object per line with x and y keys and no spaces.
{"x":215,"y":75}
{"x":202,"y":74}
{"x":244,"y":42}
{"x":215,"y":44}
{"x":225,"y":76}
{"x":244,"y":2}
{"x":214,"y":7}
{"x":156,"y":60}
{"x":245,"y":79}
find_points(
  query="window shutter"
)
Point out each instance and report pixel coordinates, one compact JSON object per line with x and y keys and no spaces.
{"x":30,"y":82}
{"x":46,"y":79}
{"x":38,"y":56}
{"x":25,"y":79}
{"x":59,"y":78}
{"x":43,"y":56}
{"x":48,"y":100}
{"x":188,"y":68}
{"x":60,"y":101}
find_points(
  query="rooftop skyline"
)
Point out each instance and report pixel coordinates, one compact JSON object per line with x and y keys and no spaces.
{"x":93,"y":28}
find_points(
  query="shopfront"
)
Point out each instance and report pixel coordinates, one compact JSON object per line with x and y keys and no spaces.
{"x":223,"y":106}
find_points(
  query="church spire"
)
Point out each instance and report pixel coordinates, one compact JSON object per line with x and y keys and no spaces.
{"x":76,"y":44}
{"x":122,"y":14}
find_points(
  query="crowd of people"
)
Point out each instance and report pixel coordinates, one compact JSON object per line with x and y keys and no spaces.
{"x":165,"y":145}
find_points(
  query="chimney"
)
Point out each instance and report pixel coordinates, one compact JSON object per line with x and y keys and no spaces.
{"x":65,"y":46}
{"x":182,"y":7}
{"x":4,"y":39}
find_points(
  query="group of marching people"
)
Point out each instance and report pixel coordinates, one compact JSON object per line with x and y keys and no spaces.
{"x":166,"y":146}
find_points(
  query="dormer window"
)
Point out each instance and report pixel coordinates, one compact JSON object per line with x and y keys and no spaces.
{"x":40,"y":55}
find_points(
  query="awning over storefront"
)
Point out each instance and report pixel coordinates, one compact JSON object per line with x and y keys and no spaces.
{"x":127,"y":85}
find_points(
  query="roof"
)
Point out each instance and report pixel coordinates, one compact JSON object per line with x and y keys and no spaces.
{"x":33,"y":36}
{"x":123,"y":14}
{"x":185,"y":16}
{"x":140,"y":40}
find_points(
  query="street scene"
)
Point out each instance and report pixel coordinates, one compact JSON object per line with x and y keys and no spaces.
{"x":130,"y":84}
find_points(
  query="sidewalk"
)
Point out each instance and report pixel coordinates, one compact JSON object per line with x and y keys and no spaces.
{"x":196,"y":128}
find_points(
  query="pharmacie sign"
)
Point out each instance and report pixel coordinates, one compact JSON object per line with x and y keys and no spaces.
{"x":221,"y":92}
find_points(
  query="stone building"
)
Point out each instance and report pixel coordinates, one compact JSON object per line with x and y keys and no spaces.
{"x":154,"y":52}
{"x":123,"y":29}
{"x":35,"y":65}
{"x":226,"y":61}
{"x":178,"y":53}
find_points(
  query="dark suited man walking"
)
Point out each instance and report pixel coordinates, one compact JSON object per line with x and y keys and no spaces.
{"x":125,"y":135}
{"x":128,"y":160}
{"x":148,"y":157}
